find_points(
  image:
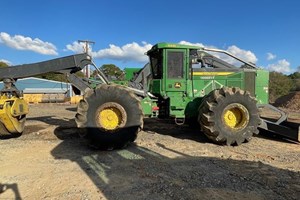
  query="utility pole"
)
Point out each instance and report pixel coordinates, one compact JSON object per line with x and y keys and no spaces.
{"x":86,"y":50}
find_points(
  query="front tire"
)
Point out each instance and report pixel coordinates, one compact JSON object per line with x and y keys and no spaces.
{"x":229,"y":115}
{"x":110,"y":115}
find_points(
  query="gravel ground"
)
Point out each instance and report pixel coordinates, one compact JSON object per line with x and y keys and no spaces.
{"x":50,"y":161}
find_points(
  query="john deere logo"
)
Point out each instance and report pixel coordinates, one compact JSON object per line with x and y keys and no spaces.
{"x":177,"y":85}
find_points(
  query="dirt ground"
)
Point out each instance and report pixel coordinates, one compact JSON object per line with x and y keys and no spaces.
{"x":50,"y":161}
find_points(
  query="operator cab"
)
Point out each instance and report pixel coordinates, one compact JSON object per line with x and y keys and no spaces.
{"x":170,"y":68}
{"x":171,"y":73}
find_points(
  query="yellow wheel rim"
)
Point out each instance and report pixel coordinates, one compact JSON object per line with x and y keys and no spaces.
{"x":111,"y":116}
{"x":236,"y":116}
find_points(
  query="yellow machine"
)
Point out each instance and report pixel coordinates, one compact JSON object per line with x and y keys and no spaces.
{"x":13,"y":107}
{"x":13,"y":112}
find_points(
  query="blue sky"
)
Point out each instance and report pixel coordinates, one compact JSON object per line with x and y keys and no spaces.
{"x":262,"y":31}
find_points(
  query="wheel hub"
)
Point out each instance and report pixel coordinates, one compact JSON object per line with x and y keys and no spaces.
{"x":236,"y":116}
{"x":111,"y":116}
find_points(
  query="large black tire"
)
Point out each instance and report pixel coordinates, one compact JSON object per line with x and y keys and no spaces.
{"x":229,"y":116}
{"x":124,"y":105}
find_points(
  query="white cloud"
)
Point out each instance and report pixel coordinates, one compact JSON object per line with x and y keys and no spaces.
{"x":189,"y":43}
{"x":132,"y":52}
{"x":270,"y":56}
{"x":76,"y":47}
{"x":245,"y":55}
{"x":26,"y":43}
{"x":128,"y":52}
{"x":6,"y":61}
{"x":282,"y":66}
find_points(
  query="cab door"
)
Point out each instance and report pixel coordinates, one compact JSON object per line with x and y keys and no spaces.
{"x":175,"y":80}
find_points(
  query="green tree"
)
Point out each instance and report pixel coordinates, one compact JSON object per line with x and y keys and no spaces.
{"x":53,"y":76}
{"x":3,"y":64}
{"x":279,"y":85}
{"x":57,"y":76}
{"x":112,"y":71}
{"x":295,"y":77}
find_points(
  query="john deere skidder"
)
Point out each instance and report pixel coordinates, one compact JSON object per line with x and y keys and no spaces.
{"x":182,"y":82}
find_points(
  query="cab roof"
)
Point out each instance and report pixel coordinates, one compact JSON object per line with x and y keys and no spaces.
{"x":164,"y":45}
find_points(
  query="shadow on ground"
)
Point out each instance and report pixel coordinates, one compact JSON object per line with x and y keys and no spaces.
{"x":10,"y":187}
{"x":168,"y":127}
{"x":140,"y":173}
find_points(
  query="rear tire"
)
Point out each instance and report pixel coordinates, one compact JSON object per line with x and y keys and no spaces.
{"x":229,"y":115}
{"x":110,"y":115}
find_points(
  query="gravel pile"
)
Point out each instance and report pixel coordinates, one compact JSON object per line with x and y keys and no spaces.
{"x":290,"y":101}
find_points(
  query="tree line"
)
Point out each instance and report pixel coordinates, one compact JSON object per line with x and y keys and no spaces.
{"x":281,"y":84}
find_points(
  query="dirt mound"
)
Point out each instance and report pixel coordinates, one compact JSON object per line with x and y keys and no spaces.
{"x":290,"y":101}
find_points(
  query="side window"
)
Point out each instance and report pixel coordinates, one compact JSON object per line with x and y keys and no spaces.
{"x":175,"y":64}
{"x":156,"y":65}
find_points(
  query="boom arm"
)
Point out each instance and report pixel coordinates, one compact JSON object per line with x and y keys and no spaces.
{"x":69,"y":64}
{"x":13,"y":109}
